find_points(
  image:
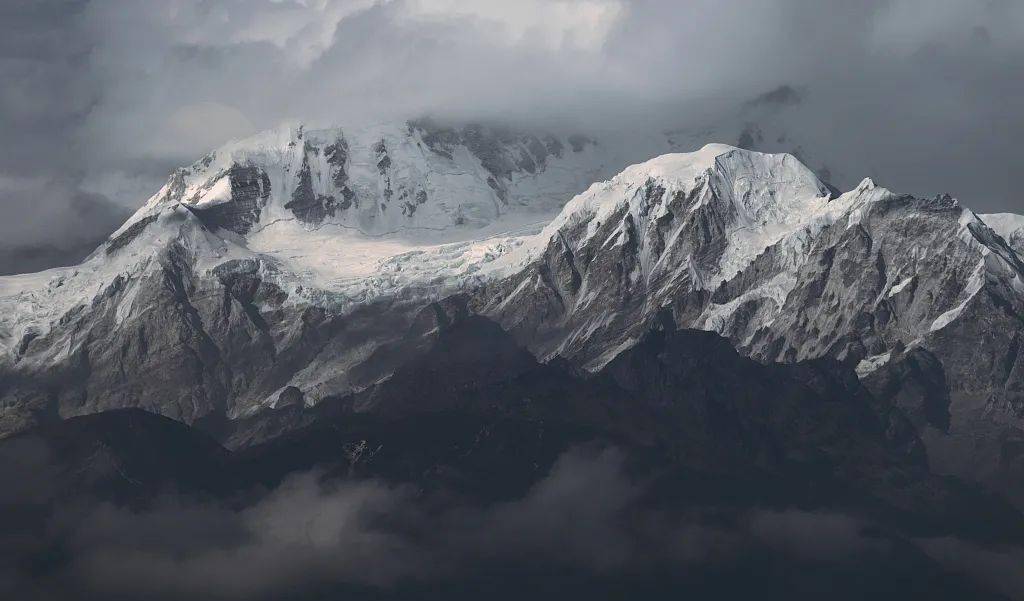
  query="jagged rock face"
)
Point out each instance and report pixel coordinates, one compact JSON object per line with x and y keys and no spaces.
{"x":891,"y":273}
{"x":1009,"y":226}
{"x":129,"y":234}
{"x":502,"y":152}
{"x":240,"y":209}
{"x":309,"y":206}
{"x":223,"y":296}
{"x":866,"y":278}
{"x":928,"y":276}
{"x":662,"y":233}
{"x":187,"y":332}
{"x":191,"y":344}
{"x":851,"y":277}
{"x":197,"y":306}
{"x":698,"y":430}
{"x":383,"y":179}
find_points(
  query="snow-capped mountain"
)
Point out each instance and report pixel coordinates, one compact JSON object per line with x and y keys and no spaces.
{"x":732,"y":241}
{"x":920,"y":295}
{"x":295,"y":266}
{"x":380,"y":179}
{"x":630,"y":247}
{"x":278,"y":264}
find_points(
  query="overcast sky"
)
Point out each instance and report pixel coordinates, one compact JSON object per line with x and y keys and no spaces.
{"x":102,"y":98}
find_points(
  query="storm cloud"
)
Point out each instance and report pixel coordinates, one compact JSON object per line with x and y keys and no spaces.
{"x":102,"y":98}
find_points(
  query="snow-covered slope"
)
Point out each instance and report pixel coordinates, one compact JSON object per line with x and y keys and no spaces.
{"x":1008,"y":225}
{"x":295,"y":267}
{"x":727,"y":240}
{"x":678,"y":224}
{"x":920,"y":295}
{"x":225,"y":287}
{"x":382,"y":179}
{"x":340,"y":209}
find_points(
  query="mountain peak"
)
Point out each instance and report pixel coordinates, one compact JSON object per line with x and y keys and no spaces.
{"x":291,"y":262}
{"x":750,"y":199}
{"x":680,"y":167}
{"x":379,"y":179}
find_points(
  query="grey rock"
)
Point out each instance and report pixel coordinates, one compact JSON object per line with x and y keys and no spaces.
{"x":306,"y":204}
{"x":250,"y":189}
{"x":922,"y":297}
{"x":130,"y":233}
{"x":918,"y":280}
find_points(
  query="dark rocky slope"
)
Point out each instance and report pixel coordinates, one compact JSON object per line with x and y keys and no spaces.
{"x":695,"y":436}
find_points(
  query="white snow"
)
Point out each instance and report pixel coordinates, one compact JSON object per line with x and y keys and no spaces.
{"x":899,"y":287}
{"x":676,"y":171}
{"x":32,"y":303}
{"x":1010,"y":228}
{"x":453,"y":240}
{"x":463,"y":235}
{"x":219,"y":193}
{"x":773,"y":196}
{"x":973,"y":287}
{"x":1007,"y":225}
{"x":363,"y":267}
{"x":947,"y":318}
{"x":872,"y":363}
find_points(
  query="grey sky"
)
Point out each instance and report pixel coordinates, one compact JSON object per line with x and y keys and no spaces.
{"x":102,"y":98}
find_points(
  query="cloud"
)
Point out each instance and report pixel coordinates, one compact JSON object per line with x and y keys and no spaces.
{"x":553,"y":24}
{"x":920,"y":95}
{"x":808,"y":535}
{"x":309,"y":533}
{"x":588,"y":520}
{"x":301,"y":535}
{"x":999,"y":567}
{"x":49,"y":222}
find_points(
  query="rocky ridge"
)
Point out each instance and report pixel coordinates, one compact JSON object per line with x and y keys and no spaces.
{"x":285,"y":269}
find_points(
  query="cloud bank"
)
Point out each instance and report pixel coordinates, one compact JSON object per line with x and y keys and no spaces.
{"x":585,"y":526}
{"x":104,"y":98}
{"x":586,"y":523}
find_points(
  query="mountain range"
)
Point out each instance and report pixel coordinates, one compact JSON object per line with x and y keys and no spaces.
{"x":453,"y":306}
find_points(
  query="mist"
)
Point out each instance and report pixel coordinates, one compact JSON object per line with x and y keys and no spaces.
{"x":104,"y":98}
{"x":587,"y":518}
